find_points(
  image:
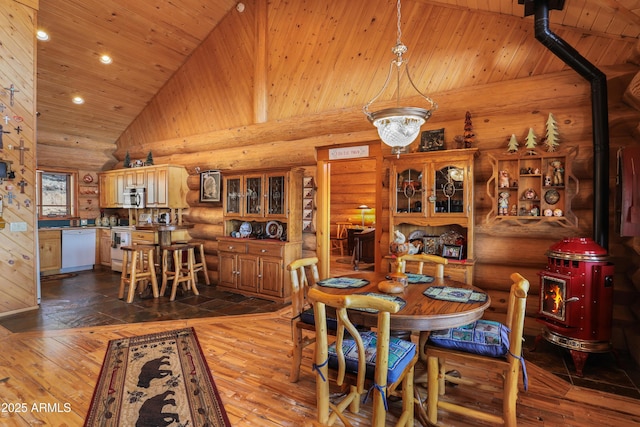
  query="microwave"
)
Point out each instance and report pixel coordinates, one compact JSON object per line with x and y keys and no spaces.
{"x":134,"y":198}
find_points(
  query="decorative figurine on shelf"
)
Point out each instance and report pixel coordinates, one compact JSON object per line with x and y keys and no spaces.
{"x":531,"y":142}
{"x":504,"y":179}
{"x":558,"y":172}
{"x":558,"y":212}
{"x":529,"y":194}
{"x":551,"y":140}
{"x":469,"y":136}
{"x":503,"y":203}
{"x":127,"y":160}
{"x":399,"y":246}
{"x":548,"y":212}
{"x":149,"y":161}
{"x":512,"y":147}
{"x":514,"y":210}
{"x":547,"y":180}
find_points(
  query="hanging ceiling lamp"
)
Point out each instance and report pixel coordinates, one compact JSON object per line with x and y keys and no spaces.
{"x":399,"y":126}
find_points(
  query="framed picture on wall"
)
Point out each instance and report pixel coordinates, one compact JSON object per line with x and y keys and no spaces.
{"x":210,"y":186}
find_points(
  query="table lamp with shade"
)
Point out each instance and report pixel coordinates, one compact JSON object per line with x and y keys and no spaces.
{"x":362,"y":209}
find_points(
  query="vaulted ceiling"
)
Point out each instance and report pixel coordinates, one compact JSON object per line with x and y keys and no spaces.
{"x":149,"y":41}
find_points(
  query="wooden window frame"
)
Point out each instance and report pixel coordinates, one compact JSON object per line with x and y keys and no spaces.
{"x":72,"y":199}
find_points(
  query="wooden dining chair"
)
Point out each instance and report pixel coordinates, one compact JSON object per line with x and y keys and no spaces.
{"x":493,"y":347}
{"x":304,"y":273}
{"x":387,"y":361}
{"x":339,"y":240}
{"x":421,"y":260}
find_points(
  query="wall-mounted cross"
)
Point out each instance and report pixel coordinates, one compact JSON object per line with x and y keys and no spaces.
{"x":2,"y":132}
{"x":6,"y":119}
{"x":2,"y":107}
{"x":12,"y":91}
{"x":10,"y":196}
{"x":18,"y":130}
{"x":22,"y":149}
{"x":22,"y":184}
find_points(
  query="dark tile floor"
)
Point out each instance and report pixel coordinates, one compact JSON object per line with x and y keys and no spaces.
{"x":91,"y":299}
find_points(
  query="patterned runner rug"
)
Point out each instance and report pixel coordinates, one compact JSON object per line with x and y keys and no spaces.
{"x":158,"y":379}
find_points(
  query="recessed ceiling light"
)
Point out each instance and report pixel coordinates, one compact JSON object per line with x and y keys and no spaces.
{"x":42,"y":35}
{"x":106,"y":59}
{"x":78,"y":100}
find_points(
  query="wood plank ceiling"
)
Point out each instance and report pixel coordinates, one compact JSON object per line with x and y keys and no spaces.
{"x":150,"y":40}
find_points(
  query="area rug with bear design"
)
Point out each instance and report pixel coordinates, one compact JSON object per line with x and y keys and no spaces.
{"x":159,"y":379}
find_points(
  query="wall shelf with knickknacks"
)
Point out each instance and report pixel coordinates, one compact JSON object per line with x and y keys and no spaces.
{"x":308,"y":206}
{"x":531,"y":188}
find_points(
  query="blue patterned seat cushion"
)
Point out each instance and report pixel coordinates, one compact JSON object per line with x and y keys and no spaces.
{"x":484,"y":337}
{"x":401,"y":353}
{"x":309,"y":318}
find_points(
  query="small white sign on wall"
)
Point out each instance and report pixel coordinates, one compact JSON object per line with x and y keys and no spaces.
{"x":349,"y":152}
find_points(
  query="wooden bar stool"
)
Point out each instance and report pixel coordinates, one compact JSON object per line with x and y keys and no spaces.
{"x":200,"y":263}
{"x":137,"y":270}
{"x":175,"y":269}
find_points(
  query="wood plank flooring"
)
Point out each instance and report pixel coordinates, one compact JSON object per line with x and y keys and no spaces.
{"x":48,"y":377}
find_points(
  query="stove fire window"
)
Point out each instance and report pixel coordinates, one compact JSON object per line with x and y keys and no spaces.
{"x":552,"y":297}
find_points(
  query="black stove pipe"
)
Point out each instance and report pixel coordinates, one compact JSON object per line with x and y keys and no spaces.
{"x":599,"y":113}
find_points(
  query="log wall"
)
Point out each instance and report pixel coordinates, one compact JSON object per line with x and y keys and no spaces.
{"x":312,"y":104}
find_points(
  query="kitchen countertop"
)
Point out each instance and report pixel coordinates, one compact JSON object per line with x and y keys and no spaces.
{"x":163,"y":227}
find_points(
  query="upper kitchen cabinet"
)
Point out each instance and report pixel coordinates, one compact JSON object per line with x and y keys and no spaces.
{"x":166,"y":186}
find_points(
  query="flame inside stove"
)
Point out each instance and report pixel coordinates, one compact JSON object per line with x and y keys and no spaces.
{"x":553,"y":297}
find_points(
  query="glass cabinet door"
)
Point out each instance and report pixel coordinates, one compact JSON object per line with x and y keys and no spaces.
{"x":449,"y":182}
{"x":233,"y":194}
{"x":409,"y":191}
{"x":253,"y":190}
{"x":276,"y":202}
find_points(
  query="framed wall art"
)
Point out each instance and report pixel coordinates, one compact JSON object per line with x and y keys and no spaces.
{"x":432,"y":140}
{"x":210,"y":186}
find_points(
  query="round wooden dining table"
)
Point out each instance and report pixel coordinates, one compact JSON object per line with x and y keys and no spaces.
{"x":421,"y":312}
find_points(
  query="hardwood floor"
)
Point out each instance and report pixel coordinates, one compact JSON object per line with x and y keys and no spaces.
{"x":248,"y":357}
{"x":48,"y":363}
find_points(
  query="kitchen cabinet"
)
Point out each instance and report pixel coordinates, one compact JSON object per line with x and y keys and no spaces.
{"x":256,"y":267}
{"x":431,"y":203}
{"x":50,"y":251}
{"x":166,"y":186}
{"x":531,"y":188}
{"x":104,"y":246}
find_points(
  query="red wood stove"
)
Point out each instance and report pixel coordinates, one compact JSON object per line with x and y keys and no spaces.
{"x":576,"y":298}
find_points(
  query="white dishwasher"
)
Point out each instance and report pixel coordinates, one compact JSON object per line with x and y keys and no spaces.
{"x":78,"y":249}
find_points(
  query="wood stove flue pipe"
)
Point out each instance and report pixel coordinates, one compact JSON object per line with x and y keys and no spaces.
{"x":599,"y":110}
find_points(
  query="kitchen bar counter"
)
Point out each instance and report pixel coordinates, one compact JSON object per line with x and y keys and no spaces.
{"x":164,"y":231}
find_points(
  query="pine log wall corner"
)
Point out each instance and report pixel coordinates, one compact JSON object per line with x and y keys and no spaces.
{"x":291,"y":76}
{"x":18,"y":251}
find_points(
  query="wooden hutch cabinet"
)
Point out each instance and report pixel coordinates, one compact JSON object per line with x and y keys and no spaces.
{"x":262,"y":232}
{"x":432,"y":205}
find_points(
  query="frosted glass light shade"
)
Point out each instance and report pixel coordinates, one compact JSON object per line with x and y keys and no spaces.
{"x":399,"y":127}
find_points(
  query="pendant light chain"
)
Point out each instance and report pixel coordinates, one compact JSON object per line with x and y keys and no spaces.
{"x":399,"y":27}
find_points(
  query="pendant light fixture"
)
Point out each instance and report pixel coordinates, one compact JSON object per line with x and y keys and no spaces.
{"x":399,"y":126}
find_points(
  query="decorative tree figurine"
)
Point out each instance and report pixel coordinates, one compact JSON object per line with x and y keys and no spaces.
{"x":468,"y":131}
{"x":552,"y":134}
{"x":127,"y":160}
{"x":149,"y":161}
{"x":512,"y":147}
{"x":531,"y":142}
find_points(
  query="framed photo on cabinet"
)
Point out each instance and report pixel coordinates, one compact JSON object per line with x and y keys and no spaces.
{"x":210,"y":186}
{"x":452,"y":251}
